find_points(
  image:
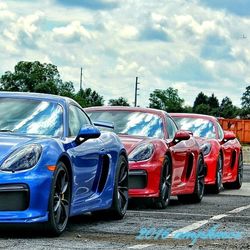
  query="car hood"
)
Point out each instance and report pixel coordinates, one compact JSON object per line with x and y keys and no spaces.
{"x":10,"y":142}
{"x":131,"y":142}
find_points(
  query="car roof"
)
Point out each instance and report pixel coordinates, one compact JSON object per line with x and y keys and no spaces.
{"x":126,"y":108}
{"x":192,"y":115}
{"x":37,"y":96}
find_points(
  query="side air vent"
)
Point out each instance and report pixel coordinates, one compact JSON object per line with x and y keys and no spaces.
{"x":104,"y":173}
{"x":190,"y":164}
{"x":233,"y":159}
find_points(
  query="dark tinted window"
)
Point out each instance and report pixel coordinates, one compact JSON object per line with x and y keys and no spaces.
{"x":28,"y":116}
{"x":131,"y":123}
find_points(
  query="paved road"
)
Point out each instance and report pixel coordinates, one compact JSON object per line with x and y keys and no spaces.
{"x":227,"y":212}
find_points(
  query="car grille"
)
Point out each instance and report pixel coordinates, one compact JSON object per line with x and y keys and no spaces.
{"x":14,"y":197}
{"x":137,"y":179}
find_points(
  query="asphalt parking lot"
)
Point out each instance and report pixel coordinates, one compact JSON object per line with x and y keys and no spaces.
{"x":177,"y":227}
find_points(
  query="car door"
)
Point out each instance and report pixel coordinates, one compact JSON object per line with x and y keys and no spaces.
{"x":228,"y":149}
{"x":86,"y":157}
{"x":178,"y":154}
{"x":183,"y":157}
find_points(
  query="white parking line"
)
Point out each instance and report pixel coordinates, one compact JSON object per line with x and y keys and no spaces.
{"x":239,"y":209}
{"x":189,"y":228}
{"x":140,"y":246}
{"x":218,"y":217}
{"x":201,"y":223}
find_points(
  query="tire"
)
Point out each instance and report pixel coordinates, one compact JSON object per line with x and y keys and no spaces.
{"x":238,"y":183}
{"x":165,"y":185}
{"x":216,"y":188}
{"x":59,"y":202}
{"x":120,"y":194}
{"x":198,"y":193}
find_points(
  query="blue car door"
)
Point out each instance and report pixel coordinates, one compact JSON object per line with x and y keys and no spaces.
{"x":86,"y":157}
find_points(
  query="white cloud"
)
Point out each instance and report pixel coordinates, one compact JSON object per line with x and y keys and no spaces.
{"x":180,"y":44}
{"x":129,"y":32}
{"x":73,"y":32}
{"x":24,"y":30}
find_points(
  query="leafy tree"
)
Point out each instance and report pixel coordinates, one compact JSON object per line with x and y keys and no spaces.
{"x":66,"y":89}
{"x":245,"y":103}
{"x":245,"y":99}
{"x":47,"y":88}
{"x":202,"y":109}
{"x":167,"y":100}
{"x":227,"y":109}
{"x":187,"y":109}
{"x":206,"y":105}
{"x":200,"y":99}
{"x":32,"y":77}
{"x":88,"y":97}
{"x":121,"y":101}
{"x":213,"y":102}
{"x":36,"y":77}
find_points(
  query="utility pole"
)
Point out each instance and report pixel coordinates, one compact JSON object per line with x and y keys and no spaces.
{"x":136,"y":89}
{"x":81,"y":80}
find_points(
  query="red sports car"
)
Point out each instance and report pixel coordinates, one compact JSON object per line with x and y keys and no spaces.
{"x":162,"y":160}
{"x":222,"y":151}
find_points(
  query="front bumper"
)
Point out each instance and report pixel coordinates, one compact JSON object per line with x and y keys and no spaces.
{"x":144,"y":179}
{"x":24,"y":196}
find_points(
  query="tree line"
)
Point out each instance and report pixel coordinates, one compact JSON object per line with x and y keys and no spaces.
{"x":45,"y":78}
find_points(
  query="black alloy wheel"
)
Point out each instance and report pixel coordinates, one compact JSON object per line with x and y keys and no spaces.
{"x":121,"y":190}
{"x":59,"y":204}
{"x":216,"y":188}
{"x":165,"y":185}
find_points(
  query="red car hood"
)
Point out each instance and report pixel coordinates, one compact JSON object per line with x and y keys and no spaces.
{"x":130,"y":142}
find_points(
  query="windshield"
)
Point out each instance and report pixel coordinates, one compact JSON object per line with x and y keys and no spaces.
{"x":131,"y":123}
{"x":27,"y":116}
{"x":199,"y":126}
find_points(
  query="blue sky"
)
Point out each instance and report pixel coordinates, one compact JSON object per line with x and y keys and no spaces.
{"x":194,"y":46}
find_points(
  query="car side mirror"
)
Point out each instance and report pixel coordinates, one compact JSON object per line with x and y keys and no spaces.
{"x":181,"y":135}
{"x":229,"y":135}
{"x":86,"y":133}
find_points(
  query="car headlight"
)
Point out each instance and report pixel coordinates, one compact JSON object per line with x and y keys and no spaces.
{"x":141,"y":152}
{"x":206,"y":148}
{"x":23,"y":158}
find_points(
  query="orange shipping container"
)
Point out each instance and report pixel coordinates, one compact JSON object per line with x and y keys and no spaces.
{"x":240,"y":127}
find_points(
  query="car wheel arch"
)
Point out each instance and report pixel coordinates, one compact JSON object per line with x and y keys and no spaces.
{"x":170,"y":158}
{"x":65,"y":159}
{"x":123,"y":153}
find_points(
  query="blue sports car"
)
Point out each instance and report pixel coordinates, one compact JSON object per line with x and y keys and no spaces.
{"x":54,"y":163}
